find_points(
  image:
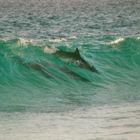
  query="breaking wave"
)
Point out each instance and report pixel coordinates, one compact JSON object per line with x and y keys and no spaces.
{"x":32,"y":79}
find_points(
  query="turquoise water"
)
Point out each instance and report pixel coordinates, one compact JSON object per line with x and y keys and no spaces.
{"x":107,"y":33}
{"x":47,"y":95}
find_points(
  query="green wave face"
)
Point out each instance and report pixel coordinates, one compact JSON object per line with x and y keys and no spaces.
{"x":34,"y":77}
{"x":34,"y":80}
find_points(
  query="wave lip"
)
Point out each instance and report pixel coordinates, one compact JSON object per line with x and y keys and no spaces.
{"x":49,"y":50}
{"x":117,"y":41}
{"x":57,"y":40}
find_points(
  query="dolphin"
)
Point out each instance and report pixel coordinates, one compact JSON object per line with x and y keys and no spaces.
{"x":40,"y":66}
{"x":77,"y":58}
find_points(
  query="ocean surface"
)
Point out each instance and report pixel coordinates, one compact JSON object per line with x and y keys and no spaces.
{"x":48,"y":97}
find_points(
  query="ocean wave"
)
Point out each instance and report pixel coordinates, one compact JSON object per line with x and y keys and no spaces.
{"x":36,"y":73}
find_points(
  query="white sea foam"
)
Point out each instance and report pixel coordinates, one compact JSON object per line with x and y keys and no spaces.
{"x":117,"y":41}
{"x":73,"y":37}
{"x":57,"y":40}
{"x":49,"y":50}
{"x":23,"y":41}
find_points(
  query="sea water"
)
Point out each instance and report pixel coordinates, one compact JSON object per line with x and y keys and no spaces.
{"x":80,"y":106}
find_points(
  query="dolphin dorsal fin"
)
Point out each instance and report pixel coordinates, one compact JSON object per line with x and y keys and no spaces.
{"x":77,"y":52}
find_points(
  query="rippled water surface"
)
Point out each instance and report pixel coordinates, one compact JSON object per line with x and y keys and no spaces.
{"x":107,"y":123}
{"x":48,"y":91}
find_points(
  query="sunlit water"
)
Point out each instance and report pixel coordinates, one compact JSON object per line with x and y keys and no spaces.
{"x":64,"y":100}
{"x":118,"y":122}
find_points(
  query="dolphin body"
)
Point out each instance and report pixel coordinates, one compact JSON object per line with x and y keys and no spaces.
{"x":40,"y":67}
{"x":77,"y":58}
